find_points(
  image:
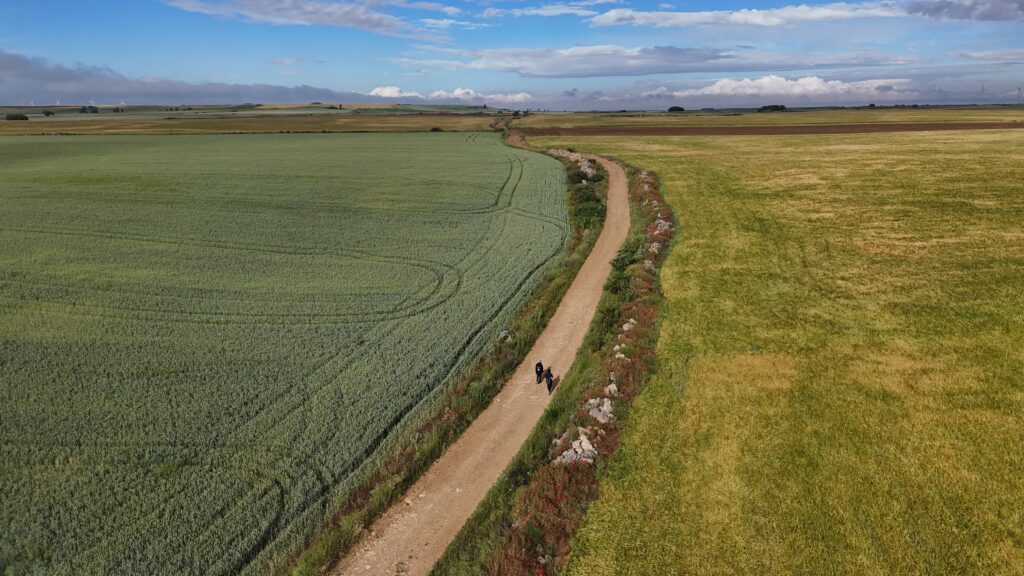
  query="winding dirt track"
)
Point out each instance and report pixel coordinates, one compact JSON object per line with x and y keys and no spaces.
{"x":763,"y":130}
{"x":411,"y":536}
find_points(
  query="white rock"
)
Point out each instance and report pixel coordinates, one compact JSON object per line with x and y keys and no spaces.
{"x":599,"y":415}
{"x":612,"y":390}
{"x":627,"y":327}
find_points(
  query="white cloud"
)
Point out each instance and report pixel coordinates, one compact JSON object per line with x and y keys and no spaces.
{"x":457,"y":94}
{"x":992,"y":10}
{"x":393,"y":92}
{"x":446,"y":23}
{"x":808,"y":86}
{"x":470,"y":94}
{"x":614,"y":60}
{"x":1012,"y":55}
{"x":285,"y":62}
{"x":309,"y":12}
{"x":746,"y":16}
{"x":571,"y":8}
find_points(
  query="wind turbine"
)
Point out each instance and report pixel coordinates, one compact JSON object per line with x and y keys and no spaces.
{"x":1018,"y":94}
{"x":58,"y":101}
{"x":92,"y":102}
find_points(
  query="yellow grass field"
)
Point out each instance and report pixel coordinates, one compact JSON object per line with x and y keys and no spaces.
{"x":750,"y":118}
{"x":841,"y":364}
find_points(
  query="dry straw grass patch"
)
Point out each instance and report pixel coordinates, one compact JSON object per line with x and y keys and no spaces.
{"x":839,"y":387}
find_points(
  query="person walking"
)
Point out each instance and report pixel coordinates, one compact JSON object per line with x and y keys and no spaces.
{"x":550,"y":379}
{"x":539,"y":368}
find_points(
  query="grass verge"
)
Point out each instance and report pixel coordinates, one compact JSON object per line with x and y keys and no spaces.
{"x":525,"y":524}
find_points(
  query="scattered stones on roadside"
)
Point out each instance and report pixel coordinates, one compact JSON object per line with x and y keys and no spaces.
{"x":612,"y":390}
{"x":560,"y":439}
{"x":620,"y":356}
{"x":582,"y":450}
{"x":586,"y":165}
{"x":600,"y":409}
{"x":654,"y":248}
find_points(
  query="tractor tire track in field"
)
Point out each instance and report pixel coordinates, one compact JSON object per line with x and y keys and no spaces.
{"x":414,"y":532}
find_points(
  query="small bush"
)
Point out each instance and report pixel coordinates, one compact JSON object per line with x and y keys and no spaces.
{"x":677,"y":109}
{"x":17,"y":117}
{"x":436,"y":129}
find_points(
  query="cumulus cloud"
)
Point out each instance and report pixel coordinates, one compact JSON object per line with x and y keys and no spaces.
{"x":468,"y":94}
{"x":806,"y":87}
{"x":308,"y":12}
{"x":393,"y":92}
{"x":613,"y":60}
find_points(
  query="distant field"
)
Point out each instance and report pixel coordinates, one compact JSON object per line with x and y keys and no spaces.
{"x":841,"y":365}
{"x":249,"y":121}
{"x":987,"y":114}
{"x":204,"y":338}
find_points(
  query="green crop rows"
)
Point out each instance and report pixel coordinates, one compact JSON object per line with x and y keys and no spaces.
{"x":203,"y":338}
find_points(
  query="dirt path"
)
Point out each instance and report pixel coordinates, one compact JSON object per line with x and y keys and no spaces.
{"x":764,"y":130}
{"x":412,"y":535}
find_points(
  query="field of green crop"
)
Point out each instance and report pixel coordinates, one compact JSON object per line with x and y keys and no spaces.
{"x":840,"y":381}
{"x":205,"y":339}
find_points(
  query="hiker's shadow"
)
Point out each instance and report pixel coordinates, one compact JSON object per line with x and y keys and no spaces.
{"x":554,"y":383}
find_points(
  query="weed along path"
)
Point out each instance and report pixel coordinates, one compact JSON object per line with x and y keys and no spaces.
{"x":412,"y":535}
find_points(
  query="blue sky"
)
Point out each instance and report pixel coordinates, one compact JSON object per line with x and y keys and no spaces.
{"x":518,"y":53}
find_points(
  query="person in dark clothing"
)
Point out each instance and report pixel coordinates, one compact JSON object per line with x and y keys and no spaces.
{"x":539,"y":368}
{"x":550,"y":379}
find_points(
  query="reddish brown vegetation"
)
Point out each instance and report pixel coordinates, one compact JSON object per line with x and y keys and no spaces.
{"x":550,"y":508}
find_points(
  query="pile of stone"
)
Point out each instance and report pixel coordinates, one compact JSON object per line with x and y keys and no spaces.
{"x":582,"y":450}
{"x":600,"y":409}
{"x":629,"y":325}
{"x":586,"y":165}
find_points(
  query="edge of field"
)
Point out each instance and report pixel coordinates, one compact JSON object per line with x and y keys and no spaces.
{"x":526,"y":523}
{"x":448,"y":416}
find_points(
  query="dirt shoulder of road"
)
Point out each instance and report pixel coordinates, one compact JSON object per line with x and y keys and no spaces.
{"x":414,"y":533}
{"x":776,"y":130}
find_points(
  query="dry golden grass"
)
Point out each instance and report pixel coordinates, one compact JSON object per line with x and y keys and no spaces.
{"x":846,"y":116}
{"x":841,"y":366}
